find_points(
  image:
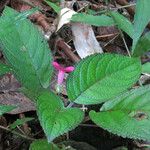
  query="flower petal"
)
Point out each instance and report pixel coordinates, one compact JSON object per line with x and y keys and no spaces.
{"x":57,"y":66}
{"x":69,"y":69}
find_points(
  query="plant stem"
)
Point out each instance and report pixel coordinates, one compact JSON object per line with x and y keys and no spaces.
{"x":126,"y":6}
{"x":125,"y":44}
{"x":70,"y":105}
{"x":16,"y":133}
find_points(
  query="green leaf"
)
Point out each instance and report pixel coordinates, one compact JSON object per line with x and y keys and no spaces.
{"x":54,"y":117}
{"x":123,"y":23}
{"x":20,"y":122}
{"x":127,"y":115}
{"x":6,"y":108}
{"x":100,"y":77}
{"x":17,"y":17}
{"x":23,"y":15}
{"x":102,"y":20}
{"x":26,"y":51}
{"x":56,"y":8}
{"x":141,"y":19}
{"x":43,"y":145}
{"x":146,"y":68}
{"x":4,"y":69}
{"x":143,"y":45}
{"x":91,"y":11}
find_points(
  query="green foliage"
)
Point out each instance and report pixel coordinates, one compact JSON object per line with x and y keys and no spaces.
{"x":91,"y":12}
{"x":4,"y":69}
{"x":127,"y":115}
{"x":29,"y":93}
{"x":54,"y":117}
{"x":6,"y":108}
{"x":146,"y":68}
{"x":54,"y":6}
{"x":30,"y":56}
{"x":96,"y":79}
{"x":43,"y":145}
{"x":141,"y":19}
{"x":19,"y":122}
{"x":102,"y":20}
{"x":17,"y":17}
{"x":100,"y":77}
{"x":122,"y":23}
{"x":143,"y":45}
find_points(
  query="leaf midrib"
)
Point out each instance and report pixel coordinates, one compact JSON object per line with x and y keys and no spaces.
{"x":103,"y":79}
{"x":30,"y":58}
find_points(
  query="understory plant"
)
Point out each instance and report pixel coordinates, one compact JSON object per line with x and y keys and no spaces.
{"x":108,"y":79}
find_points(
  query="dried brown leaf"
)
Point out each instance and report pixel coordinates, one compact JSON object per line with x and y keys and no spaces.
{"x":17,"y":99}
{"x":84,"y":40}
{"x":9,"y":95}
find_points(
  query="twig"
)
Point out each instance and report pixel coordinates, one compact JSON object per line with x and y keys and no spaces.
{"x":3,"y":3}
{"x":30,"y":4}
{"x":61,"y":44}
{"x":125,"y":44}
{"x":20,"y":130}
{"x":105,"y":35}
{"x":126,"y":6}
{"x":128,"y":51}
{"x":87,"y":118}
{"x":70,"y":105}
{"x":16,"y":133}
{"x":89,"y":125}
{"x":25,"y":125}
{"x":130,"y":9}
{"x":111,"y":40}
{"x":27,"y":2}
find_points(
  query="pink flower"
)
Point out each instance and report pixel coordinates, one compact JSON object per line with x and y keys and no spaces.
{"x":62,"y":71}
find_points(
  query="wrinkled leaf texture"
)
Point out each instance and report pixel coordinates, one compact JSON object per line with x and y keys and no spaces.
{"x":54,"y":117}
{"x":127,"y":115}
{"x":26,"y":51}
{"x":100,"y":77}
